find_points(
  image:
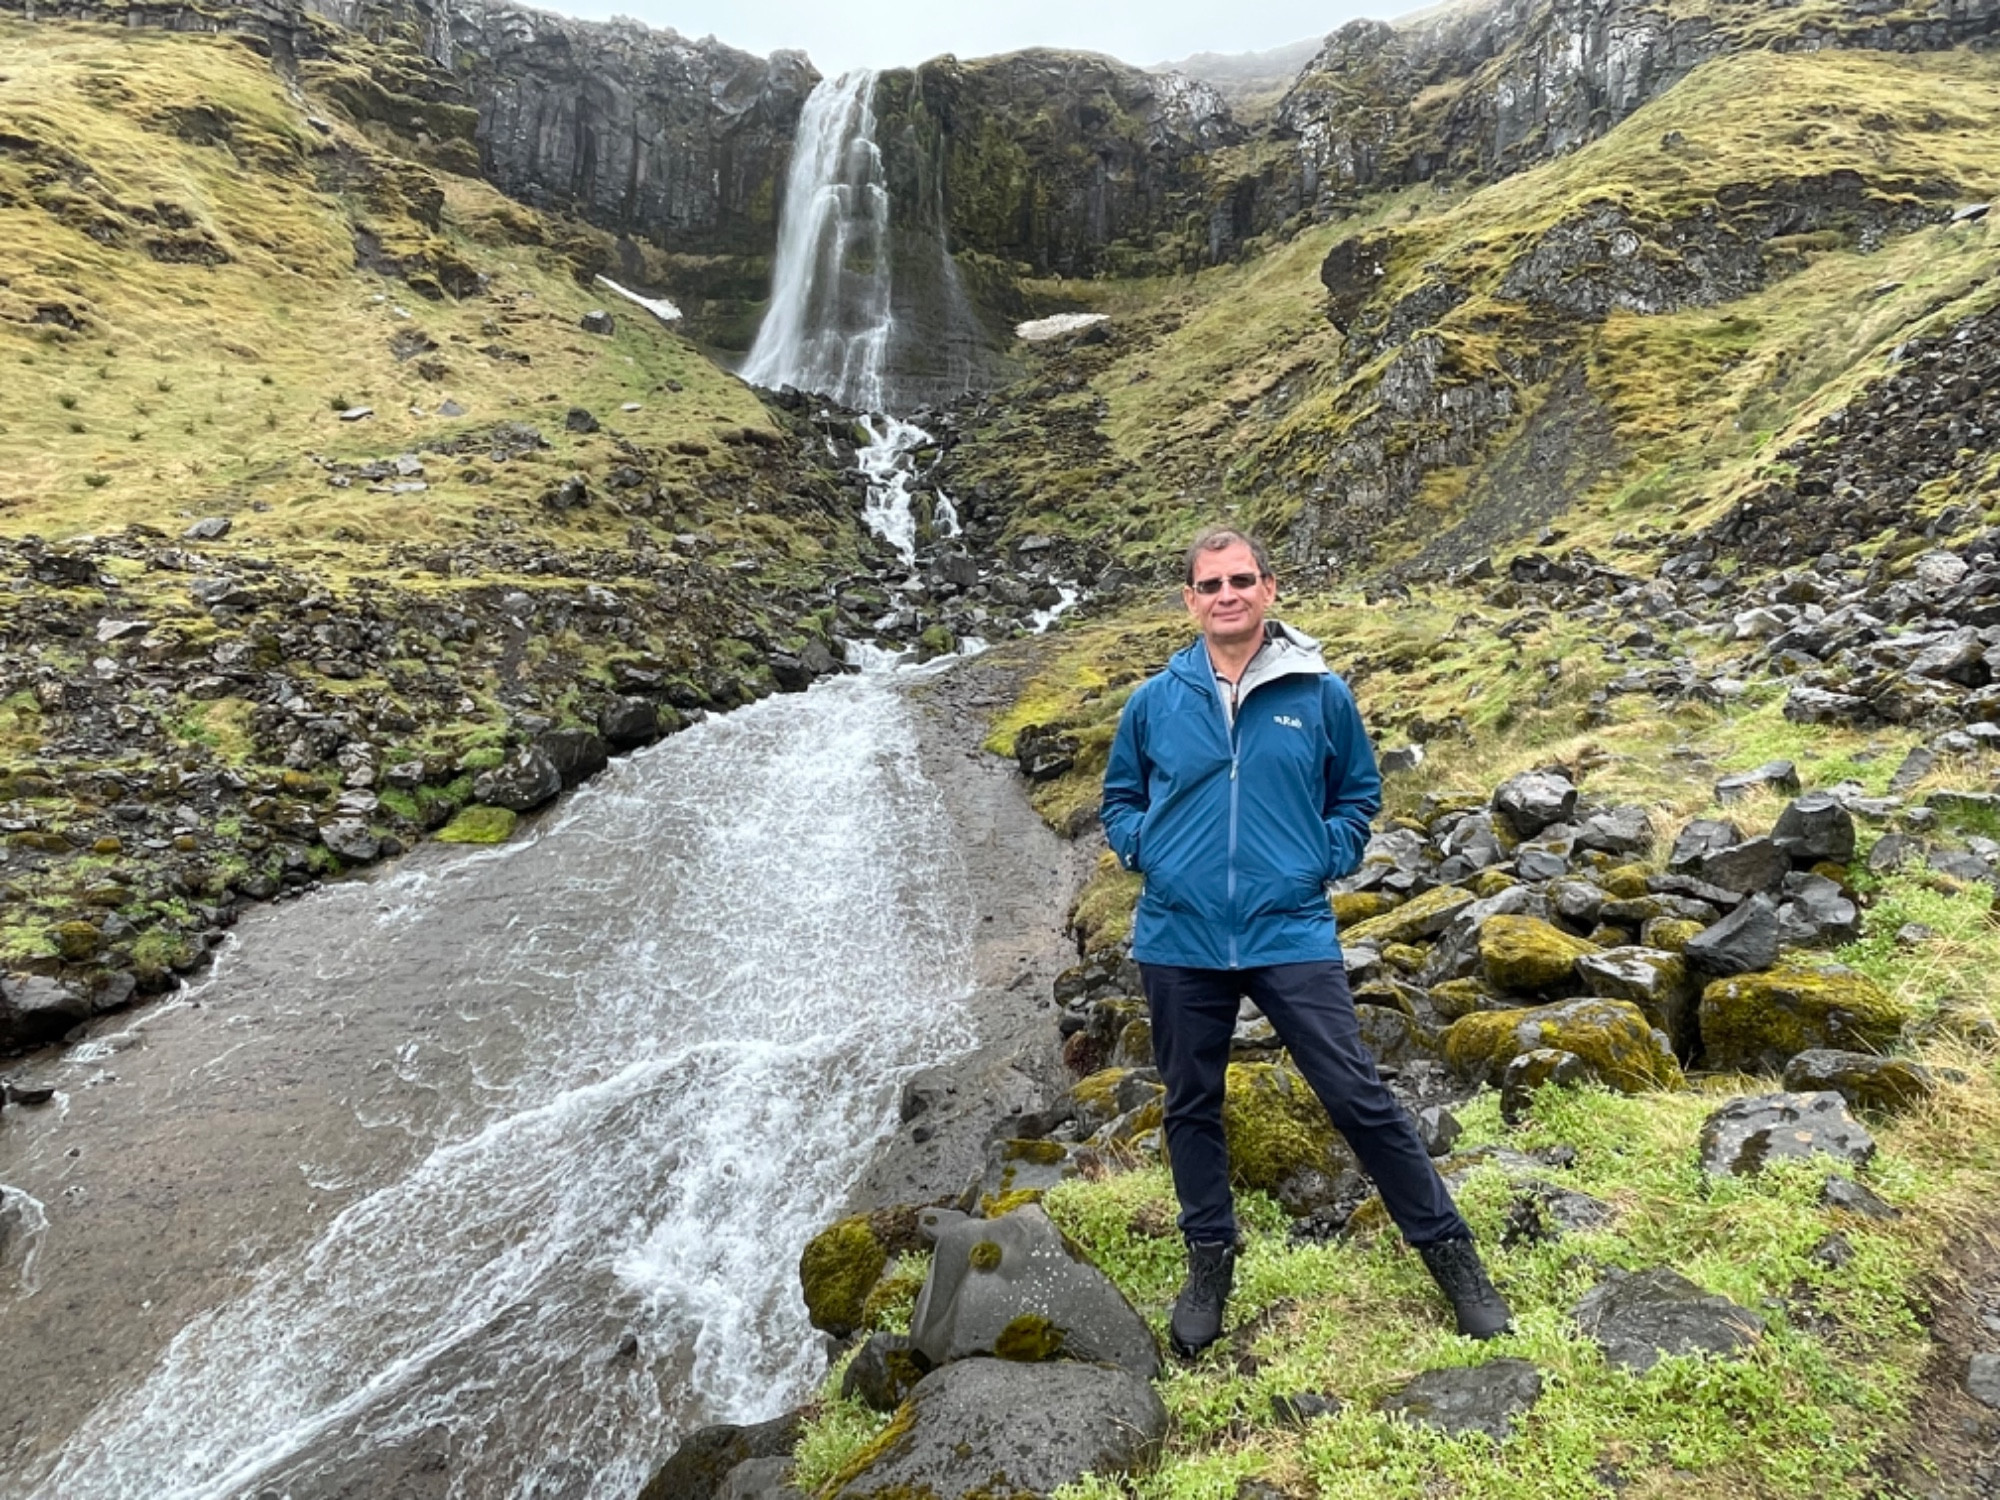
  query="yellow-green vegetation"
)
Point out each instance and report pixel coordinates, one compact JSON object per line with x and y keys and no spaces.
{"x":1276,"y":1127}
{"x":1613,"y":1037}
{"x":200,"y":281}
{"x":1758,"y":1020}
{"x":839,"y":1268}
{"x":479,"y":824}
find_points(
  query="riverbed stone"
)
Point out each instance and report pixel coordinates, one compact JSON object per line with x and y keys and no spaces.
{"x":992,"y":1427}
{"x":34,"y":1009}
{"x":1737,"y":1139}
{"x":522,"y":782}
{"x":1636,"y":1317}
{"x":1014,"y":1288}
{"x":1613,"y":1037}
{"x":1488,"y":1398}
{"x":1758,"y":1022}
{"x":705,"y":1457}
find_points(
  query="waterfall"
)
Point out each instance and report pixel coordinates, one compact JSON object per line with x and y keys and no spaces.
{"x":830,"y":320}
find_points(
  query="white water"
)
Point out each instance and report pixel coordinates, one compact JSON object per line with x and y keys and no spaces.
{"x":628,"y":1067}
{"x":829,"y":323}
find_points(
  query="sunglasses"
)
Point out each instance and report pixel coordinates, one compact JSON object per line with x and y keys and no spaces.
{"x":1241,"y":582}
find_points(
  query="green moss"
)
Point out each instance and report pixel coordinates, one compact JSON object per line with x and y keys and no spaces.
{"x":479,"y":824}
{"x":837,"y":1271}
{"x":1029,"y":1339}
{"x":1528,"y":955}
{"x":1418,"y":917}
{"x":1758,"y":1021}
{"x":1612,"y":1036}
{"x":1275,"y":1125}
{"x":984,"y":1256}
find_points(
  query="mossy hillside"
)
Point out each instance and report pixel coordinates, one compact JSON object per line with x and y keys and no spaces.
{"x":203,"y":383}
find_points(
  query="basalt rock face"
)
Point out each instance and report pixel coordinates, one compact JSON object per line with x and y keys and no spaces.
{"x":1059,"y":161}
{"x":638,"y":130}
{"x":1485,"y":91}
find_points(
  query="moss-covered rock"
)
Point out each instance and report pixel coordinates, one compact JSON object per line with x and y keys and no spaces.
{"x":1405,"y":958}
{"x":1526,"y":955}
{"x":1097,"y":1098}
{"x":1276,"y":1127}
{"x":1672,"y":934}
{"x":1420,"y":917}
{"x":1352,"y":908}
{"x":1759,"y":1022}
{"x":1460,"y":997}
{"x":1612,"y":1037}
{"x":838,"y":1270}
{"x":479,"y":824}
{"x":1492,"y":882}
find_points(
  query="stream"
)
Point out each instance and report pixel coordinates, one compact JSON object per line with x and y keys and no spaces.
{"x":490,"y":1176}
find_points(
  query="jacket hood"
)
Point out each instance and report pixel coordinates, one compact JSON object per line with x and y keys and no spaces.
{"x":1286,"y":650}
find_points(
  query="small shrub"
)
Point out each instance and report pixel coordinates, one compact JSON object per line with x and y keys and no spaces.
{"x":97,"y":481}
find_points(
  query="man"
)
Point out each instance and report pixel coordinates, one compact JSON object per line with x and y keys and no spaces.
{"x":1240,"y":784}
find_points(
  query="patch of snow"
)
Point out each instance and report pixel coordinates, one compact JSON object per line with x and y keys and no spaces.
{"x":659,"y":307}
{"x":1038,"y":329}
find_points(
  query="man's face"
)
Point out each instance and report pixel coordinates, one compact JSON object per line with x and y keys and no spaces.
{"x":1235,"y":611}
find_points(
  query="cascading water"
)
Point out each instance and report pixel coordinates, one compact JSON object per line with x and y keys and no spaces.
{"x":830,"y":319}
{"x":574,"y":1108}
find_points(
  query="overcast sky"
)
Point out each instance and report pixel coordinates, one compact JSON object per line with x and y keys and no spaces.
{"x":843,"y":34}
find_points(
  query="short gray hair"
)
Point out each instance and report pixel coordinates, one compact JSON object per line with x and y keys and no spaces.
{"x":1220,"y":539}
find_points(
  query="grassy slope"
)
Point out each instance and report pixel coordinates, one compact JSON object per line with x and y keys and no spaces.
{"x":197,"y":389}
{"x":1210,"y":386}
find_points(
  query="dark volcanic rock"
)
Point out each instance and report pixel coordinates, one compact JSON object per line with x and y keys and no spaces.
{"x":1636,"y":1317}
{"x":1535,"y":800}
{"x":992,"y":1427}
{"x":1742,"y":942}
{"x":34,"y":1009}
{"x":1815,"y":827}
{"x":703,"y":1461}
{"x":884,"y":1371}
{"x":1865,"y":1081}
{"x":626,"y":722}
{"x":577,"y":754}
{"x":1745,"y":1133}
{"x":1486,"y":1398}
{"x":522,"y":782}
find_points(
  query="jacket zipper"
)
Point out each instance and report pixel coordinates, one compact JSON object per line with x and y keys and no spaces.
{"x":1229,"y":721}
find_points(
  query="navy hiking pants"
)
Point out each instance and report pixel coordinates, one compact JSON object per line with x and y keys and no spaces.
{"x":1194,"y":1014}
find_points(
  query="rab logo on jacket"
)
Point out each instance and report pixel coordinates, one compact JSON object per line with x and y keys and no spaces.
{"x":1288,"y":721}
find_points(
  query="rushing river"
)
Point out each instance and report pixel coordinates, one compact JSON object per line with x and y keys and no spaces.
{"x":489,"y":1177}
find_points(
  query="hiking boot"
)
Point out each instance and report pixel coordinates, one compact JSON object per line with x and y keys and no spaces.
{"x":1454,"y":1265}
{"x":1197,"y":1320}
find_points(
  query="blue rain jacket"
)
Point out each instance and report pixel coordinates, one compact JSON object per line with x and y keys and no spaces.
{"x":1239,"y":828}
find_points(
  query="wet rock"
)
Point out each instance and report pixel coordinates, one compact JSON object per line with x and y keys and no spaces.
{"x":703,"y":1461}
{"x":1745,"y":940}
{"x":1888,"y":1085}
{"x":883,"y":1371}
{"x":577,"y":754}
{"x":1982,"y":1379}
{"x":34,"y":1009}
{"x":351,"y":840}
{"x":1529,"y":1072}
{"x":628,"y":722}
{"x":1815,"y":828}
{"x":985,"y":1427}
{"x":1012,"y":1288}
{"x":760,"y":1479}
{"x":1759,"y":1021}
{"x":1739,"y":1138}
{"x":1488,"y":1398}
{"x":1535,"y":800}
{"x":522,"y":782}
{"x":1613,"y":1037}
{"x":1637,"y":1317}
{"x":1775,"y":776}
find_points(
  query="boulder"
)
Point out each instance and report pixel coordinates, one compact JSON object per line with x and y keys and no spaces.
{"x":1760,"y":1021}
{"x":1774,"y":775}
{"x":1737,"y":1139}
{"x":1277,"y":1128}
{"x":350,"y":840}
{"x":1529,"y":1072}
{"x":1743,"y":941}
{"x":1653,"y":979}
{"x":842,"y":1263}
{"x":1846,"y":1194}
{"x":1455,"y":954}
{"x":1486,"y":1398}
{"x":1111,"y":1092}
{"x":577,"y":754}
{"x":1535,"y":800}
{"x":992,"y":1427}
{"x":1420,"y":917}
{"x":1698,"y":840}
{"x":1815,"y":828}
{"x":1636,"y":1317}
{"x":1613,"y":1037}
{"x":34,"y":1010}
{"x":1753,"y":865}
{"x":1817,"y":913}
{"x":1887,"y":1085}
{"x":702,"y":1463}
{"x":523,"y":781}
{"x":629,"y":722}
{"x":1017,"y":1170}
{"x":1529,"y":956}
{"x":1395,"y":1040}
{"x":1013,"y":1288}
{"x":1617,"y":830}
